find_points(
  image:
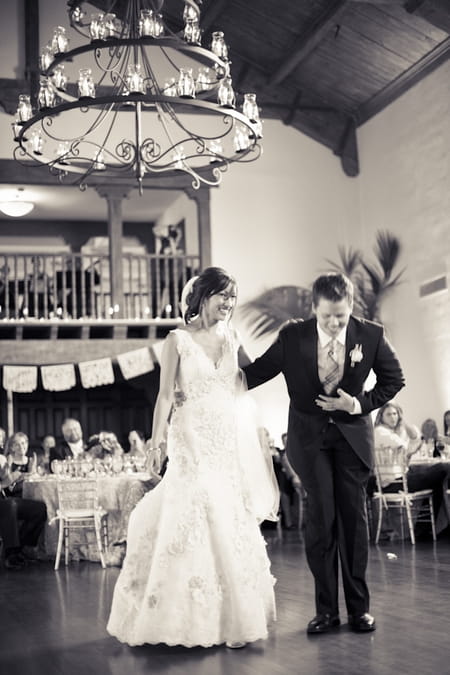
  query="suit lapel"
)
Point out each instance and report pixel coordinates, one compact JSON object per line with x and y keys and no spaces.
{"x":351,"y":339}
{"x":308,"y":348}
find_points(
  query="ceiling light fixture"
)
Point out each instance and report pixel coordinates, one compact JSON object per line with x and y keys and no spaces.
{"x":16,"y":207}
{"x":138,"y":99}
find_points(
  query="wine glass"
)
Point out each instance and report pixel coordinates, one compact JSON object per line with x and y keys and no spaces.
{"x":107,"y":462}
{"x":117,"y":465}
{"x":56,"y":466}
{"x":139,"y":462}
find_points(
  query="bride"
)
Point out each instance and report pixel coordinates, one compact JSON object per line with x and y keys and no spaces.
{"x":196,"y":572}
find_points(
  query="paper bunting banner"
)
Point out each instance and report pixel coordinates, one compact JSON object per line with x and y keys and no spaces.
{"x":96,"y":373}
{"x":135,"y":363}
{"x":58,"y":378}
{"x":20,"y":379}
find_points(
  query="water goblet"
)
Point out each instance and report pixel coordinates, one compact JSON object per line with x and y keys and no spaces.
{"x":56,"y":467}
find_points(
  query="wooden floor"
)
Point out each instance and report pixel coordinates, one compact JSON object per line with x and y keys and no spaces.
{"x":53,"y":623}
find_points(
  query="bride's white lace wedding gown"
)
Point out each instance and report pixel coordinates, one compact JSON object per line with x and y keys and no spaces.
{"x":196,"y":570}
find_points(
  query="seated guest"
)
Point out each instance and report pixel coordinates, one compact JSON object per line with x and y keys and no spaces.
{"x":447,"y":423}
{"x":19,"y":460}
{"x":104,"y":444}
{"x":431,"y":437}
{"x":446,"y":438}
{"x":72,"y":445}
{"x":43,"y":454}
{"x":136,"y":440}
{"x":289,"y":486}
{"x":22,"y":521}
{"x":392,"y":432}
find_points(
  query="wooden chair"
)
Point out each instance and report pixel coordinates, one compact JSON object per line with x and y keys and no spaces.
{"x":78,"y":509}
{"x":391,"y":469}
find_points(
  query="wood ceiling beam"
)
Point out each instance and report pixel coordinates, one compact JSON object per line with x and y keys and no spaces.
{"x":214,"y":9}
{"x":309,"y":40}
{"x":436,"y":12}
{"x":32,"y":48}
{"x":381,"y":2}
{"x":412,"y":5}
{"x":347,"y":149}
{"x":293,"y":108}
{"x":9,"y":93}
{"x":408,"y":79}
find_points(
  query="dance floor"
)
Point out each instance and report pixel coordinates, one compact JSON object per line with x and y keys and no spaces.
{"x":53,"y":623}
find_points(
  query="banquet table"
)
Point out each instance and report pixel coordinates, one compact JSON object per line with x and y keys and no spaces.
{"x":117,"y":494}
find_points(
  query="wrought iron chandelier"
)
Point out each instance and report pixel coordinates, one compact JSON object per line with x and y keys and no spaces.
{"x":136,"y":99}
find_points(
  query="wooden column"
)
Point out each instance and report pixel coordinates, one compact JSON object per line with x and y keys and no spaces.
{"x":202,"y":199}
{"x":114,"y":197}
{"x":9,"y":413}
{"x":32,"y":48}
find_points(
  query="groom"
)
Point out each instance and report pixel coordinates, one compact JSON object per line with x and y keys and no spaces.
{"x":325,"y":361}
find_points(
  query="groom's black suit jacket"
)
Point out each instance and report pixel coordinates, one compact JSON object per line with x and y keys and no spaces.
{"x":294,"y":353}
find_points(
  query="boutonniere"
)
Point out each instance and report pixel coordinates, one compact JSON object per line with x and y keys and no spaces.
{"x":356,"y":355}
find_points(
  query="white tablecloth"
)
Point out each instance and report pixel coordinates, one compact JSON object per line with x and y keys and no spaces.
{"x":117,"y":494}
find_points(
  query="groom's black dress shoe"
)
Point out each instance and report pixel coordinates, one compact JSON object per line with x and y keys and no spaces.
{"x":361,"y":623}
{"x":322,"y":623}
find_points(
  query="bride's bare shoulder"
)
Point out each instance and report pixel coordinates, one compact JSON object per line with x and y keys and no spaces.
{"x":178,"y":335}
{"x":189,"y":330}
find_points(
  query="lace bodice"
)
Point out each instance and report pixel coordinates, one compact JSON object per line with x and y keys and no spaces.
{"x":198,"y":375}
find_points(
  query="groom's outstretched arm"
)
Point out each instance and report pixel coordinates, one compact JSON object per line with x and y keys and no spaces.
{"x":267,"y":366}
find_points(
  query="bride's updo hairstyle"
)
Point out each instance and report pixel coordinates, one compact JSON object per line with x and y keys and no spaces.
{"x":211,"y":281}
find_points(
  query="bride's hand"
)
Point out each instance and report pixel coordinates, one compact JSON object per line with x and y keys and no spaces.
{"x":153,"y":463}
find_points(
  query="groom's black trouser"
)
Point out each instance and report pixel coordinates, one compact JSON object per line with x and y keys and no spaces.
{"x":335,"y":481}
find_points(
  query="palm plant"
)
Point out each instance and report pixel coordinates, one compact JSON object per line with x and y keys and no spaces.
{"x":267,"y":312}
{"x":381,"y":277}
{"x":372,"y":281}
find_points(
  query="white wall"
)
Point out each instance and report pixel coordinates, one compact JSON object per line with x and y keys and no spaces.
{"x":405,"y":188}
{"x":185,"y":209}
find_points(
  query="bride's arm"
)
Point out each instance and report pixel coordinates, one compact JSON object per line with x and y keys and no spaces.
{"x":243,"y":357}
{"x":165,"y":399}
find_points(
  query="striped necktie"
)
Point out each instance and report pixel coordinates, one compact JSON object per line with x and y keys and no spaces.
{"x":332,"y":374}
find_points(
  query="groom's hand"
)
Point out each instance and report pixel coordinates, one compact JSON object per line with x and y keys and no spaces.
{"x":342,"y":401}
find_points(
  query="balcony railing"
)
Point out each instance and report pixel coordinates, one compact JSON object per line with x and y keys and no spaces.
{"x":78,"y":286}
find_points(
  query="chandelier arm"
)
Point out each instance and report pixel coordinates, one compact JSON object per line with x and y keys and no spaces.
{"x":151,"y":77}
{"x":140,"y":170}
{"x":199,"y":177}
{"x":46,"y":122}
{"x":227,"y":119}
{"x":110,"y":69}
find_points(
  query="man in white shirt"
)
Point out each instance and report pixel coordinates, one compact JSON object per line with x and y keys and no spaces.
{"x":73,"y":444}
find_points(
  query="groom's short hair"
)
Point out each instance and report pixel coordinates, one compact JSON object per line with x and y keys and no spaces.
{"x":334,"y":287}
